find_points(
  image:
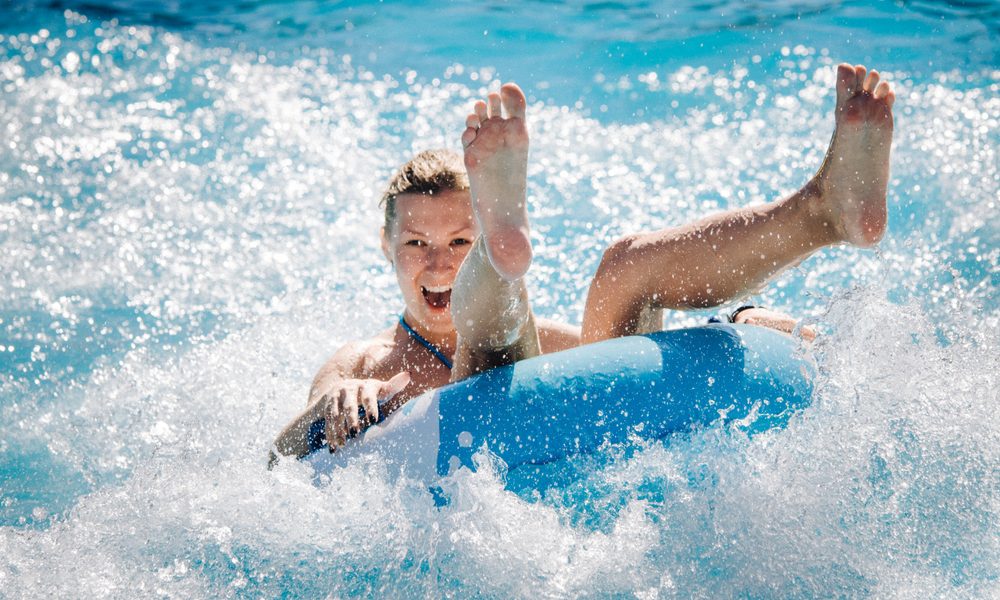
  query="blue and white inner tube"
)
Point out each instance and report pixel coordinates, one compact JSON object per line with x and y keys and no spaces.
{"x":548,"y":408}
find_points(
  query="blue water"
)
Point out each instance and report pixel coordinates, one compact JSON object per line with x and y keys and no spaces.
{"x":188,"y":228}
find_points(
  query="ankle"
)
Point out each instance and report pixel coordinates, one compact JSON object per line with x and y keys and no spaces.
{"x":813,"y":210}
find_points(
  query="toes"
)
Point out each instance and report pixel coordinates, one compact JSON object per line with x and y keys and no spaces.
{"x":890,"y":98}
{"x":513,"y":100}
{"x":881,"y":90}
{"x":493,"y":100}
{"x":481,"y":111}
{"x":473,"y":121}
{"x":871,"y":81}
{"x":860,"y":71}
{"x":847,"y":81}
{"x":469,"y":136}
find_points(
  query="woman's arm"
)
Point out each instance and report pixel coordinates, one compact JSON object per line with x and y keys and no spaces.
{"x":339,"y":389}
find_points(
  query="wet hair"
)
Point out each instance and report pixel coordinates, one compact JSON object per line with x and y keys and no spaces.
{"x":429,"y":172}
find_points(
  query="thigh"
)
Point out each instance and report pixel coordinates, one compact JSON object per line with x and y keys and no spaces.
{"x":472,"y":358}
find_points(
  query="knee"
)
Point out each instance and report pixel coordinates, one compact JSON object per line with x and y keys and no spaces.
{"x":616,"y":256}
{"x":632,"y":274}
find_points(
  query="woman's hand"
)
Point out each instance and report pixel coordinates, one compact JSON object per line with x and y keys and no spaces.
{"x":773,"y":319}
{"x":341,"y":403}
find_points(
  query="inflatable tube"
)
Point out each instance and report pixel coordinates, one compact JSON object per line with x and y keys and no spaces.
{"x":548,"y":408}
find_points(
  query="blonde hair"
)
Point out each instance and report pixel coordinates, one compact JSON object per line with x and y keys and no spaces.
{"x":429,"y":172}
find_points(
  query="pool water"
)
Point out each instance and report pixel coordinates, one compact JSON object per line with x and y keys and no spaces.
{"x":188,"y":228}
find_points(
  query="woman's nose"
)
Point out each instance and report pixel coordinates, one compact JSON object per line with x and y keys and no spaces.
{"x":442,"y":257}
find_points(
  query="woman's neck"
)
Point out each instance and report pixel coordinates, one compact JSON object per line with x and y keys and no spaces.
{"x":445,"y":342}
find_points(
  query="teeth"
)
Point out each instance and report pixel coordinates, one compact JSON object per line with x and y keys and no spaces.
{"x":437,"y":289}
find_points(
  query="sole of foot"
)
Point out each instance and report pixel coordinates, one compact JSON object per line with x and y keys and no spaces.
{"x":854,"y":178}
{"x":496,"y":158}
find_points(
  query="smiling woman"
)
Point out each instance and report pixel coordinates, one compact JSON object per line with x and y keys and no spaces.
{"x":426,"y":244}
{"x":171,"y":171}
{"x":430,"y":230}
{"x":463,"y":285}
{"x":459,"y":248}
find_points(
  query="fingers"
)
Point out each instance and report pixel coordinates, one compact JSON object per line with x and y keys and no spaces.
{"x":332,"y":440}
{"x":394,"y":385}
{"x":368,"y":399}
{"x":388,"y":391}
{"x":336,"y":432}
{"x":341,"y":416}
{"x":350,"y":410}
{"x":329,"y":430}
{"x":322,"y":386}
{"x":748,"y":315}
{"x":341,"y":422}
{"x":778,"y":321}
{"x":343,"y":406}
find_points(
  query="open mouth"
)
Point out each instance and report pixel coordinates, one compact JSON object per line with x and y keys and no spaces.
{"x":437,"y":296}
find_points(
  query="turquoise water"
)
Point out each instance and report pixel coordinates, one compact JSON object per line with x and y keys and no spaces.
{"x":188,"y":228}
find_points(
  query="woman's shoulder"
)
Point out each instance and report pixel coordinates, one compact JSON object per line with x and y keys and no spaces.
{"x":361,"y":358}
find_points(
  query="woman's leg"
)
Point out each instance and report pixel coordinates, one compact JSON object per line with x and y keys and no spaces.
{"x":724,"y":257}
{"x":490,"y":306}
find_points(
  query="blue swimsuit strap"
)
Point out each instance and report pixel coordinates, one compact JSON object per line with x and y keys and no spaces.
{"x":423,"y":342}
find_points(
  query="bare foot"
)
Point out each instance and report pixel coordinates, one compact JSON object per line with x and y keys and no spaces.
{"x":496,"y":157}
{"x":855,"y":173}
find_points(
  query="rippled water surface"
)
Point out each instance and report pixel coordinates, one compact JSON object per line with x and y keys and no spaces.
{"x":188,"y":227}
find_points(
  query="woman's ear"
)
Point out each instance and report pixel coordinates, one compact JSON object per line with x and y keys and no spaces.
{"x":385,"y":245}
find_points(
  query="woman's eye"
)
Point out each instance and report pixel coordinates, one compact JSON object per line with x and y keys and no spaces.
{"x":416,"y":243}
{"x":460,"y":242}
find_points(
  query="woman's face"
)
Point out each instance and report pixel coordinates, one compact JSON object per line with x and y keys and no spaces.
{"x":426,"y":243}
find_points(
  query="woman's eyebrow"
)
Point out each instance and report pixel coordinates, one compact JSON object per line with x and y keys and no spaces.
{"x":414,"y":232}
{"x":425,"y":234}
